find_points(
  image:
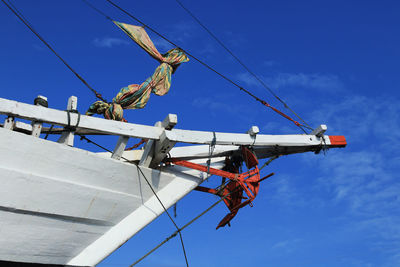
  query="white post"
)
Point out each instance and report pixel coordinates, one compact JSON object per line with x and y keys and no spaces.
{"x":9,"y":123}
{"x":37,"y":125}
{"x":120,"y":147}
{"x":253,"y":131}
{"x":320,"y":130}
{"x":155,"y":151}
{"x":67,"y":138}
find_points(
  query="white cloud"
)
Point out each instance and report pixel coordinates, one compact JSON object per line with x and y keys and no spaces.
{"x":212,"y":104}
{"x":109,"y":42}
{"x":161,"y":45}
{"x":363,"y":178}
{"x":359,"y":117}
{"x":286,"y":80}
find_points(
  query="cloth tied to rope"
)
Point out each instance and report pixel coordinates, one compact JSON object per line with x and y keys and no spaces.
{"x":136,"y":96}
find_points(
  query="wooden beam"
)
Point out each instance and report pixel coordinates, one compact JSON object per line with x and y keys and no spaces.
{"x":155,"y":151}
{"x":57,"y":117}
{"x":161,"y":149}
{"x":30,"y":112}
{"x":120,"y":147}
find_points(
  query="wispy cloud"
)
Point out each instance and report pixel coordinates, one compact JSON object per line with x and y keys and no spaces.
{"x":360,"y":117}
{"x":108,"y":42}
{"x":212,"y":104}
{"x":181,"y":32}
{"x":287,"y":80}
{"x":161,"y":45}
{"x":286,"y":246}
{"x":363,"y":178}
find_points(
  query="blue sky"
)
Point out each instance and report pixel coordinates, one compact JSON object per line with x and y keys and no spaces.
{"x":334,"y":62}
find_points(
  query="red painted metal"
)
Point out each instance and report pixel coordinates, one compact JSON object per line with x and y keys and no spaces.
{"x":338,"y":140}
{"x":233,"y":193}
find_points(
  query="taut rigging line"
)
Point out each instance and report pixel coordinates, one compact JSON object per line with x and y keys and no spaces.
{"x":178,"y":230}
{"x":19,"y":15}
{"x":208,"y":66}
{"x":241,"y":62}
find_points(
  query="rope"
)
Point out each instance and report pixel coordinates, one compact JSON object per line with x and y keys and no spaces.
{"x":206,"y":65}
{"x":268,"y":162}
{"x":178,"y":230}
{"x":69,"y":127}
{"x":239,"y":61}
{"x":138,"y":144}
{"x":19,"y":15}
{"x":155,"y":194}
{"x":190,"y":222}
{"x":94,"y":143}
{"x":47,"y":134}
{"x":211,"y":148}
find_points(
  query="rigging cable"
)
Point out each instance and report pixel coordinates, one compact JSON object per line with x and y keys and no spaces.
{"x":193,"y":220}
{"x":241,"y":62}
{"x":178,"y":230}
{"x":19,"y":15}
{"x":203,"y":63}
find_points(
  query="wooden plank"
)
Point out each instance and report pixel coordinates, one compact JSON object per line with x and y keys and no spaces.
{"x":53,"y":116}
{"x":198,"y":137}
{"x":23,"y":127}
{"x":57,"y":117}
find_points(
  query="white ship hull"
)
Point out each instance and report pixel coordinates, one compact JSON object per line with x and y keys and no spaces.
{"x":67,"y":206}
{"x":64,"y":205}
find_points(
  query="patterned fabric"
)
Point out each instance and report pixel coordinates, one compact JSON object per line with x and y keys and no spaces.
{"x":136,"y":96}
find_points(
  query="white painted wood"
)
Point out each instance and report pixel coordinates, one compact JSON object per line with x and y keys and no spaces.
{"x":22,"y":126}
{"x":148,"y":153}
{"x":320,"y":130}
{"x":137,"y":220}
{"x":70,"y":206}
{"x":57,"y":200}
{"x":36,"y":128}
{"x":120,"y":147}
{"x":199,"y":137}
{"x":9,"y":123}
{"x":58,"y":117}
{"x":67,"y":138}
{"x":161,"y":149}
{"x":150,"y":132}
{"x":155,"y":151}
{"x":37,"y":125}
{"x":170,"y":121}
{"x":254,"y":130}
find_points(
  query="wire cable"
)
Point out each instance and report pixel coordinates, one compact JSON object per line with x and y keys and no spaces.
{"x":154,"y":192}
{"x":239,"y":61}
{"x":178,"y":230}
{"x":19,"y":15}
{"x":207,"y":66}
{"x":193,"y":220}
